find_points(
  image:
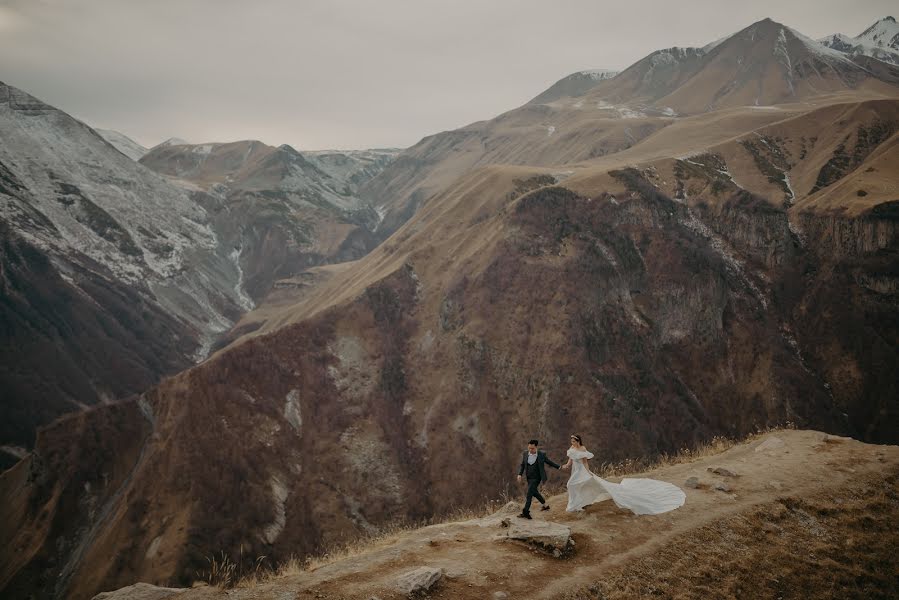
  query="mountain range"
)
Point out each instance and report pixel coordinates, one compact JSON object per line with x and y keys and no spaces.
{"x":115,"y":274}
{"x":703,"y":244}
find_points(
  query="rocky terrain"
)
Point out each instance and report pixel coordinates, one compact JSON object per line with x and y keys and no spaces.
{"x":648,"y":278}
{"x":113,"y":275}
{"x":284,"y":210}
{"x":759,"y":520}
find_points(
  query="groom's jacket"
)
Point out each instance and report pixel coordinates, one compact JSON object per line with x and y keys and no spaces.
{"x":541,"y":460}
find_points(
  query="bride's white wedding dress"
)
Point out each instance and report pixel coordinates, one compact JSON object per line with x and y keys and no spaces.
{"x":642,"y":496}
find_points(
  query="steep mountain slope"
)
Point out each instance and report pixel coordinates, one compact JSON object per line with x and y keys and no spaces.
{"x":286,"y":210}
{"x":833,"y":497}
{"x":123,"y":143}
{"x":764,"y":64}
{"x":123,"y":275}
{"x":650,"y":288}
{"x":111,"y":275}
{"x":880,"y":41}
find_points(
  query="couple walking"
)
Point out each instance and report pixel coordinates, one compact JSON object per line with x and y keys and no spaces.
{"x":641,"y":496}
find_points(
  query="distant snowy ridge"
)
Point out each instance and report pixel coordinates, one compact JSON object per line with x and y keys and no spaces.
{"x":880,"y":41}
{"x":123,"y":143}
{"x":599,"y":74}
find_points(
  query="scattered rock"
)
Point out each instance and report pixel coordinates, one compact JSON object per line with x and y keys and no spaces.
{"x":723,"y":472}
{"x":139,"y":591}
{"x":505,"y":522}
{"x":723,"y":487}
{"x":692,"y":483}
{"x":421,"y":579}
{"x":772,"y":443}
{"x":500,"y":595}
{"x":549,"y":537}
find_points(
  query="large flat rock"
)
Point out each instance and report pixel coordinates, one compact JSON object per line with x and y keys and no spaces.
{"x":139,"y":591}
{"x":543,"y":535}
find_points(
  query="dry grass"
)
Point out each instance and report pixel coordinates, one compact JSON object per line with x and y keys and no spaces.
{"x":840,"y":544}
{"x":716,"y":445}
{"x":225,"y":574}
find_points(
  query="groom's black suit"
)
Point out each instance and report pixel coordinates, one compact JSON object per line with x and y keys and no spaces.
{"x":536,"y":474}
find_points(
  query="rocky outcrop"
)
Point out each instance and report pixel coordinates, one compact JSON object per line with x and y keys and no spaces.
{"x":139,"y":591}
{"x":552,"y":538}
{"x":418,"y":581}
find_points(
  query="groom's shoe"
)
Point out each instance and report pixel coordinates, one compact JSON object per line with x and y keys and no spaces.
{"x":544,"y":507}
{"x":525,"y":515}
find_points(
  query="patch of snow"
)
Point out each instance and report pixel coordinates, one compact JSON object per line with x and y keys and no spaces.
{"x":550,"y":130}
{"x":123,"y":144}
{"x":734,"y":264}
{"x":821,"y":50}
{"x":279,"y":496}
{"x":783,"y":56}
{"x":292,"y":410}
{"x":242,"y":298}
{"x":622,"y":112}
{"x":599,"y":74}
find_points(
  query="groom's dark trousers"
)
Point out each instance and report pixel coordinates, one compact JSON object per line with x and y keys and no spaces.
{"x":536,"y":474}
{"x":533,"y":492}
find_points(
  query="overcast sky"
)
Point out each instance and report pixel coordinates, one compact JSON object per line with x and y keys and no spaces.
{"x":347,"y":74}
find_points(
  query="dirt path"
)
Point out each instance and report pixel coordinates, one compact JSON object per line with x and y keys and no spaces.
{"x":798,"y":463}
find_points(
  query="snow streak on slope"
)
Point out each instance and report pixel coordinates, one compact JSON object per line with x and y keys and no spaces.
{"x":123,"y":143}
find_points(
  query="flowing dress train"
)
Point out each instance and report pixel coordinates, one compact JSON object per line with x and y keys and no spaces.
{"x":641,"y":496}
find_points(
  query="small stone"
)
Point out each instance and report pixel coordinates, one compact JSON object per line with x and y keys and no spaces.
{"x":722,"y":487}
{"x":722,"y":471}
{"x":692,"y":483}
{"x":500,"y":595}
{"x":505,"y":523}
{"x":775,"y":485}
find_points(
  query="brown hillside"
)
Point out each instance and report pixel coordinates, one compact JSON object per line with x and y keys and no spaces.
{"x":806,"y":515}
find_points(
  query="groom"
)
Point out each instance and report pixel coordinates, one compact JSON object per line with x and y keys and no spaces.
{"x":532,"y":466}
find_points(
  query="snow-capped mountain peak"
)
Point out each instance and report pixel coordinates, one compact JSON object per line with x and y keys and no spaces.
{"x":880,"y":41}
{"x":884,"y":33}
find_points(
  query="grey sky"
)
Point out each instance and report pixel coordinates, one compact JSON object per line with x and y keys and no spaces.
{"x":347,"y":74}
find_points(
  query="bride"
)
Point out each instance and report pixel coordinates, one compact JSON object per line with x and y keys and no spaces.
{"x":642,"y":496}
